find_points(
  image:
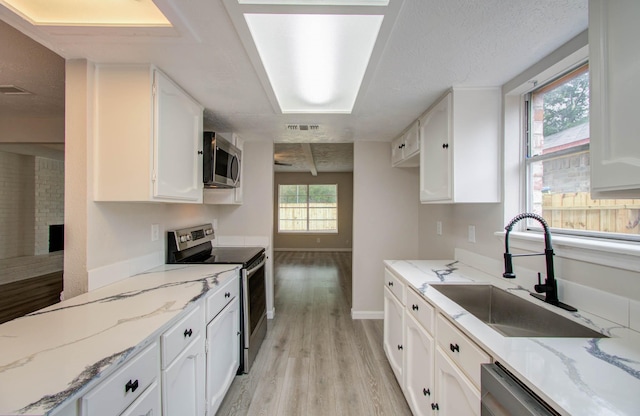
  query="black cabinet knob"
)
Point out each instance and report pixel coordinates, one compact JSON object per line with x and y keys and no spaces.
{"x":131,"y":386}
{"x":426,"y":392}
{"x":188,"y":333}
{"x":445,"y":145}
{"x":390,"y":283}
{"x":399,"y":347}
{"x":434,"y":406}
{"x":199,"y":152}
{"x":454,"y":347}
{"x":414,"y":307}
{"x":227,"y":294}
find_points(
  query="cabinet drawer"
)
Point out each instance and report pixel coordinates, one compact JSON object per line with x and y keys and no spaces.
{"x":395,"y":285}
{"x":229,"y":288}
{"x":174,"y":340}
{"x":421,"y":310}
{"x":124,"y":386}
{"x":147,"y":404}
{"x":464,"y":352}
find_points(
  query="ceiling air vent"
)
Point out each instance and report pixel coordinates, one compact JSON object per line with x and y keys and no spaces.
{"x":13,"y":90}
{"x":303,"y":127}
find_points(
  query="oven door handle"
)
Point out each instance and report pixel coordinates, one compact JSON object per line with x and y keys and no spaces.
{"x":262,"y":263}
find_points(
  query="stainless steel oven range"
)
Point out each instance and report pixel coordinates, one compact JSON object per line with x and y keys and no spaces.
{"x":193,"y":246}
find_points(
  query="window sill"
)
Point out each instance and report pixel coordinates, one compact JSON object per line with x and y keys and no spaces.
{"x":617,"y":254}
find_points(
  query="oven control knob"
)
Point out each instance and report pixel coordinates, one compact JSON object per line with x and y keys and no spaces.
{"x":208,"y":231}
{"x":183,"y":238}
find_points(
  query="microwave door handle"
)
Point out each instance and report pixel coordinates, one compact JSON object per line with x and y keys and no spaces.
{"x":237,"y":161}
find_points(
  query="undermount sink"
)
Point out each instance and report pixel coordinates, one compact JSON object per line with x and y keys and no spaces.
{"x":511,"y":315}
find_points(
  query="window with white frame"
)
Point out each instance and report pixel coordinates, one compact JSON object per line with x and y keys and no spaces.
{"x":558,"y":164}
{"x":308,"y":208}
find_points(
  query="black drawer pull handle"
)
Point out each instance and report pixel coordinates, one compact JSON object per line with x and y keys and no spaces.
{"x":414,"y":307}
{"x":227,"y":294}
{"x":434,"y":406}
{"x":390,"y":283}
{"x":188,"y":333}
{"x":131,"y":386}
{"x":454,"y":347}
{"x":399,"y":347}
{"x":426,"y":392}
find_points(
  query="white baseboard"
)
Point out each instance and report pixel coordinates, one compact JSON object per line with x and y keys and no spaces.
{"x":367,"y":314}
{"x":313,"y":249}
{"x":105,"y":275}
{"x":271,"y":313}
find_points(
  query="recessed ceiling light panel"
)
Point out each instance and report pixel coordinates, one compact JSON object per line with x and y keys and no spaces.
{"x":315,"y":62}
{"x":128,"y":13}
{"x":319,"y":2}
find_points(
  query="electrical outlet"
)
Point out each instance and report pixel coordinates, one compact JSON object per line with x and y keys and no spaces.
{"x":439,"y":227}
{"x":214,"y":224}
{"x":155,"y":232}
{"x":472,"y":233}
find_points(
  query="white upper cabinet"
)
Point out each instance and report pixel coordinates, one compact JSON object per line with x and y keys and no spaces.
{"x":148,"y":137}
{"x":405,"y":149}
{"x":614,"y":61}
{"x":460,"y":147}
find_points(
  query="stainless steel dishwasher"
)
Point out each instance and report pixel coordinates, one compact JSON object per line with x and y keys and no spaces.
{"x":504,"y":395}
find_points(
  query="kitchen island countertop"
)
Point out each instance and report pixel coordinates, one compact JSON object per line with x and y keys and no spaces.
{"x":51,"y":357}
{"x":577,"y":376}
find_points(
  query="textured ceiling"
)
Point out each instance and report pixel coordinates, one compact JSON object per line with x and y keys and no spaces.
{"x":327,"y":157}
{"x":434,"y":44}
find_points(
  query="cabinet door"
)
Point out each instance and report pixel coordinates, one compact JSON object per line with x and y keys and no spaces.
{"x":148,"y":404}
{"x":615,"y":143}
{"x":223,"y":354}
{"x":396,"y":150}
{"x":455,"y":394}
{"x":393,"y":333}
{"x":435,"y":154}
{"x":419,"y":385}
{"x":412,"y":140}
{"x":177,"y":141}
{"x":183,"y":382}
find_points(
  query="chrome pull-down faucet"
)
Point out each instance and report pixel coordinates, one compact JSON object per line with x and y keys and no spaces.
{"x":550,"y":286}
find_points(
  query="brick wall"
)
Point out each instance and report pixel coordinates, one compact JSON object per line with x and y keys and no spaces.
{"x":31,"y":198}
{"x":17,"y":202}
{"x":49,"y":200}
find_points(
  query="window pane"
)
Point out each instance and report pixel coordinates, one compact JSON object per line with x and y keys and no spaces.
{"x":558,"y":164}
{"x":308,"y":208}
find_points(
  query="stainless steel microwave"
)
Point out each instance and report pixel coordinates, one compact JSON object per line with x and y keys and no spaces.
{"x":221,"y":164}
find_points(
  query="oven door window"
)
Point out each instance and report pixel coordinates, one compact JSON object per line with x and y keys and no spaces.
{"x":257,"y":298}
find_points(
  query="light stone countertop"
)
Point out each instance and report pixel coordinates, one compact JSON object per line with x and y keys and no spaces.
{"x":56,"y":354}
{"x":577,"y":376}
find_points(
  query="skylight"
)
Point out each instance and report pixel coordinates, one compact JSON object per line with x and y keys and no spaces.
{"x":128,"y":13}
{"x":315,"y":62}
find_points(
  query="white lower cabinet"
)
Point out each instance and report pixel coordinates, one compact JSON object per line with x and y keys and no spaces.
{"x":437,"y":366}
{"x":123,"y":387}
{"x":223,"y":354}
{"x":419,"y":384}
{"x":186,"y":371}
{"x":183,"y":382}
{"x":148,"y":404}
{"x":455,"y":394}
{"x":394,"y":334}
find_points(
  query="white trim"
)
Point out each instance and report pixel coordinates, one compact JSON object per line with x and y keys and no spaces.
{"x":105,"y":275}
{"x":367,"y":314}
{"x":312,"y":249}
{"x":271,"y":313}
{"x":617,"y":254}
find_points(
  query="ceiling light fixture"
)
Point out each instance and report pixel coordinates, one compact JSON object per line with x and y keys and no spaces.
{"x":315,"y":62}
{"x":120,"y":13}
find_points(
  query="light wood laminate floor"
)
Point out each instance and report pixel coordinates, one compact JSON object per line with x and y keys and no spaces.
{"x":315,"y":359}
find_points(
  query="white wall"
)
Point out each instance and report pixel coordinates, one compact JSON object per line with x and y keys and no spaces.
{"x":254,"y":218}
{"x":385,"y":206}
